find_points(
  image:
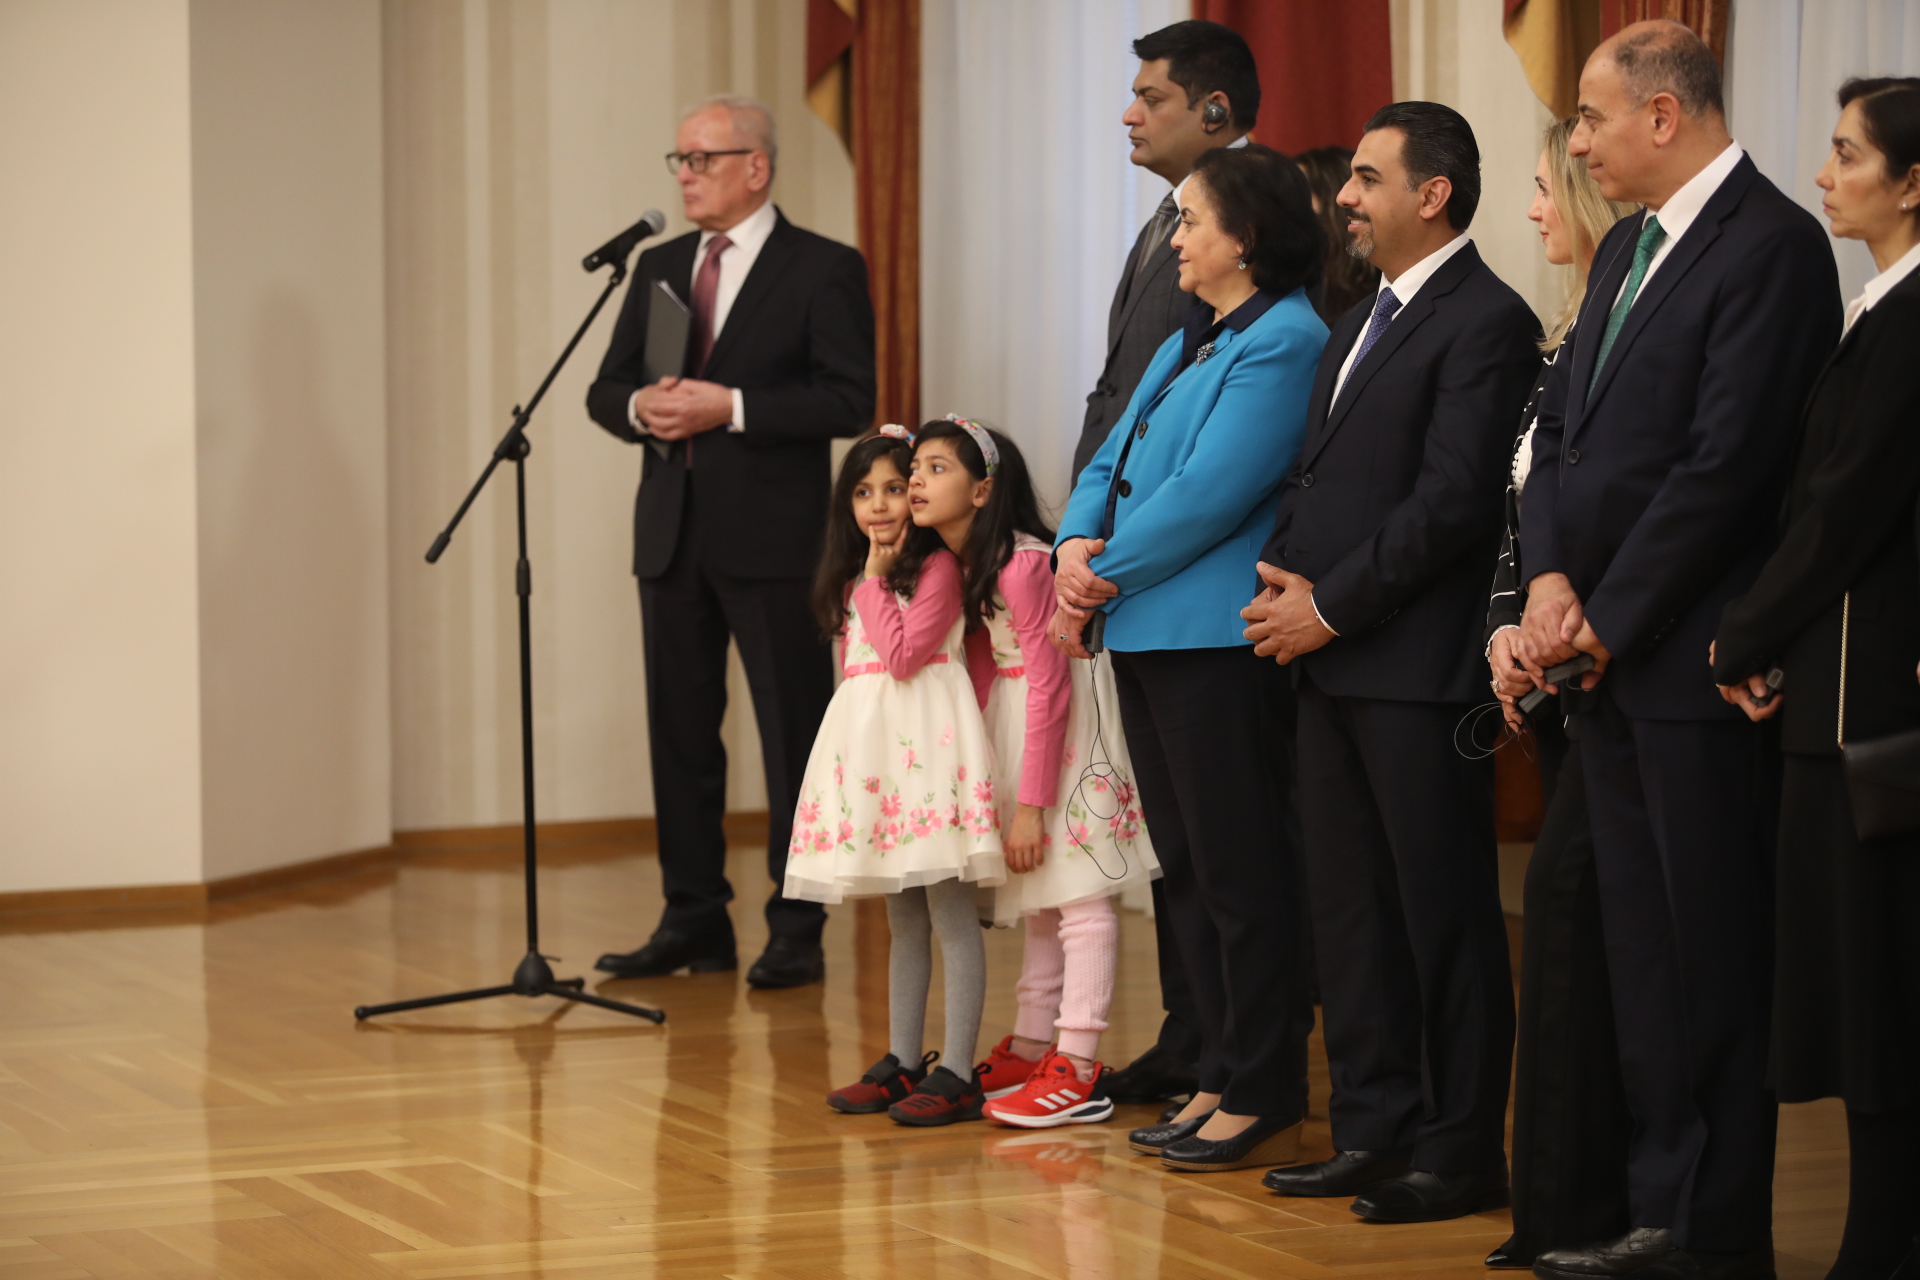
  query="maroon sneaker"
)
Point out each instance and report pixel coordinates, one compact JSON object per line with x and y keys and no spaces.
{"x":885,"y":1083}
{"x":941,"y":1098}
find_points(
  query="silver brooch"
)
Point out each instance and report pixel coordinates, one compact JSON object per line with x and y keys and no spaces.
{"x":1200,"y":356}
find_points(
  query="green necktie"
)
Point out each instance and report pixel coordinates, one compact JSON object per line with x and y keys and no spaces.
{"x":1650,"y":237}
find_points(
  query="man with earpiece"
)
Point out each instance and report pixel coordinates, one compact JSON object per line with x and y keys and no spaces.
{"x":1197,"y":90}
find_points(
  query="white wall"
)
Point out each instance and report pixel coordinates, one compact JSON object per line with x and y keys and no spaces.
{"x":99,"y":665}
{"x":290,"y":375}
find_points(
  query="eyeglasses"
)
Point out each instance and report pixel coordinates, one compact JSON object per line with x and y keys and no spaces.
{"x":699,"y":160}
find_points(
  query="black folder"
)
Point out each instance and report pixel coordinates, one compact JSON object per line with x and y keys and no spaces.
{"x":669,"y":329}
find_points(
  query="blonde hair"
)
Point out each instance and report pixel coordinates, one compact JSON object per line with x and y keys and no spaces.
{"x":1584,"y":212}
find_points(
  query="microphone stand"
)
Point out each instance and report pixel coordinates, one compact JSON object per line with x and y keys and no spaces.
{"x":533,"y":976}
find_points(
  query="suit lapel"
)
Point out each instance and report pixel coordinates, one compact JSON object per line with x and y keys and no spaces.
{"x":772,"y":263}
{"x":1162,"y":260}
{"x":1679,"y":260}
{"x":1402,"y":327}
{"x":1338,"y":344}
{"x":1590,"y":328}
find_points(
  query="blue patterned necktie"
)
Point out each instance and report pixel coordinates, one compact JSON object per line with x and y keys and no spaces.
{"x":1650,"y":237}
{"x":1385,"y":308}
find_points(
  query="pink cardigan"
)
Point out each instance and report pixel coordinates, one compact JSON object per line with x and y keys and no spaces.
{"x":1026,"y":585}
{"x":908,"y":637}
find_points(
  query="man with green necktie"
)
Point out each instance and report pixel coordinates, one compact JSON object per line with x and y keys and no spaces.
{"x":1659,"y":462}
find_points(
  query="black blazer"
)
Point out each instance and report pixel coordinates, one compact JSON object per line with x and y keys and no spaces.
{"x":1657,"y":494}
{"x":1138,"y":321}
{"x":798,"y":343}
{"x":1393,"y":511}
{"x":1849,"y":527}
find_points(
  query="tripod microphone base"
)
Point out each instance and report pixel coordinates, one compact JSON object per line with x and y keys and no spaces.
{"x":532,"y":977}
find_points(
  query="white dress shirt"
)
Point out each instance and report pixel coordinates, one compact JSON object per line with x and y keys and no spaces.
{"x":1878,"y":287}
{"x":1683,"y":207}
{"x":1404,"y":287}
{"x":748,"y":237}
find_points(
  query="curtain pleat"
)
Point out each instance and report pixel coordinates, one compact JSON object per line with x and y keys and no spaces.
{"x":1324,"y":67}
{"x":885,"y":107}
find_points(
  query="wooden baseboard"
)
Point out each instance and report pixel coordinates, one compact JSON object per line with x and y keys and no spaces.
{"x":739,"y":826}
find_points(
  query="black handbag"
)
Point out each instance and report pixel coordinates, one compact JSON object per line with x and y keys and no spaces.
{"x":1883,"y":774}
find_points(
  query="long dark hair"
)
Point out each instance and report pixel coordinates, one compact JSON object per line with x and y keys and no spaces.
{"x":1348,"y":279}
{"x":1012,"y":507}
{"x":843,"y":553}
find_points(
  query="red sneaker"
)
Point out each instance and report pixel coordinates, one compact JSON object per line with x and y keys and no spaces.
{"x":941,"y":1098}
{"x":1004,"y":1071}
{"x":885,"y":1083}
{"x":1054,"y":1096}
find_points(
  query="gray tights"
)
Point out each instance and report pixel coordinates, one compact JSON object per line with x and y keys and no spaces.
{"x":914,"y":915}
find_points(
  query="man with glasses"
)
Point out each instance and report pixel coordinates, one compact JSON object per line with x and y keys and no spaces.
{"x":727,"y":525}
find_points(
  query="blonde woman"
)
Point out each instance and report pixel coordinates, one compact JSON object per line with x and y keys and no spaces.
{"x":1570,"y":1121}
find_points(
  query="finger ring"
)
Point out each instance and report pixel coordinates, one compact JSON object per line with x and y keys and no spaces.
{"x":1063,"y":635}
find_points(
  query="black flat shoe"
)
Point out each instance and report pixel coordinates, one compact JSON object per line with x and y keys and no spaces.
{"x":1420,"y":1196}
{"x":1154,"y":1076}
{"x":1347,"y":1174}
{"x":1172,"y":1109}
{"x":1265,"y":1141}
{"x":1623,"y":1255}
{"x":1685,"y":1264}
{"x":788,"y":962}
{"x":1506,"y":1258}
{"x":670,"y":950}
{"x":1153,"y":1139}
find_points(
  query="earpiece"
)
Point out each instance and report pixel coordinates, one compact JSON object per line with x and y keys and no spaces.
{"x":1212,"y":116}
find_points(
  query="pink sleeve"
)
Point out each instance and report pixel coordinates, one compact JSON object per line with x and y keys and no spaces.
{"x":906,"y":637}
{"x":1026,"y":584}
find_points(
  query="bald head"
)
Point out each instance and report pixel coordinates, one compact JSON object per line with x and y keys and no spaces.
{"x":1665,"y":57}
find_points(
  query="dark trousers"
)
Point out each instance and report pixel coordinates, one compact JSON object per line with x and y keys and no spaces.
{"x":1571,"y":1125}
{"x":1416,"y":988}
{"x":686,"y":617}
{"x":1180,"y":1029}
{"x":1683,"y":816}
{"x":1208,"y":730}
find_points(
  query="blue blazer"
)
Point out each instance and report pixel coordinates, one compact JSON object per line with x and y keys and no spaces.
{"x":1203,"y":480}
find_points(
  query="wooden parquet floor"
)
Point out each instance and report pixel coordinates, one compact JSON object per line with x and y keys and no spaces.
{"x":185,"y":1094}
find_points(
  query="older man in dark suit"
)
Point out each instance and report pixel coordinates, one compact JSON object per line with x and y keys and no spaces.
{"x":1659,"y":463}
{"x":727,"y":524}
{"x":1197,"y":89}
{"x":1377,"y":571}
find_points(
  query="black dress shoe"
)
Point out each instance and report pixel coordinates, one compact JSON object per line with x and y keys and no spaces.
{"x":1685,"y":1264}
{"x":1623,"y":1255}
{"x":788,"y":962}
{"x":1420,"y":1196}
{"x":1153,"y":1139}
{"x":1265,"y":1141}
{"x":672,"y":949}
{"x":1506,"y":1258}
{"x":1154,"y":1076}
{"x":1347,"y":1174}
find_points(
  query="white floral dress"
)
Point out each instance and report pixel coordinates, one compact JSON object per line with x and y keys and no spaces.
{"x":1095,"y":842}
{"x":899,"y":787}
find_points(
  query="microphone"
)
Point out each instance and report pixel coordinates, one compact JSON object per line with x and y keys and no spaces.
{"x":617,"y":249}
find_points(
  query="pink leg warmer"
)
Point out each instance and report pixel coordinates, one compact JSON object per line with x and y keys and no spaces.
{"x":1067,"y":975}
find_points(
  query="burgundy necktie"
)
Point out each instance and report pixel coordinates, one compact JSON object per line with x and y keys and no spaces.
{"x":706,"y":288}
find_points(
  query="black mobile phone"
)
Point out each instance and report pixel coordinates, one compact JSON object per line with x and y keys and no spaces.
{"x":1093,"y":636}
{"x":1578,"y":665}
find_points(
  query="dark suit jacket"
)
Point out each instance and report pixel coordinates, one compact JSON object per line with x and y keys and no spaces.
{"x":1137,"y":323}
{"x":1850,"y":527}
{"x":1657,"y":495}
{"x":798,"y":343}
{"x":1394,"y":509}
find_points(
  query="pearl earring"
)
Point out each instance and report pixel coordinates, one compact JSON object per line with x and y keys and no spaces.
{"x":1243,"y":261}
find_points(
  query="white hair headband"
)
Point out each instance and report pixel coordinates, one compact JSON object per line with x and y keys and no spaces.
{"x":982,"y":437}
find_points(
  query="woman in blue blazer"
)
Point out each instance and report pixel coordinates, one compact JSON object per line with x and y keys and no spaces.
{"x":1160,"y":538}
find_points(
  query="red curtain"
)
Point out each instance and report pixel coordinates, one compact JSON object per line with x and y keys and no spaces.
{"x":885,"y":109}
{"x":1325,"y":65}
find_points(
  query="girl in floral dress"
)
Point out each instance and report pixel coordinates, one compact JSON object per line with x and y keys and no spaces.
{"x":898,"y":793}
{"x":1069,"y":818}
